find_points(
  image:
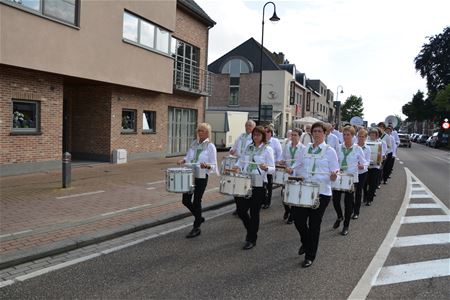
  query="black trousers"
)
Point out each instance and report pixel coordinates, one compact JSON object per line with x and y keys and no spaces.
{"x":362,"y":178}
{"x":252,"y":204}
{"x":195,"y":207}
{"x":388,"y":167}
{"x":269,"y":187}
{"x":308,"y":221}
{"x":349,"y":202}
{"x":371,"y":184}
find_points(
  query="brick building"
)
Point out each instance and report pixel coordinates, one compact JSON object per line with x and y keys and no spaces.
{"x":93,"y":78}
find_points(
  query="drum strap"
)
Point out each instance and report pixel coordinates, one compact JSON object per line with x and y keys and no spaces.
{"x":315,"y":155}
{"x":292,"y":153}
{"x":198,"y":150}
{"x":346,"y":152}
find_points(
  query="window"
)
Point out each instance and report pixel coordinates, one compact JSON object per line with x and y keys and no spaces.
{"x":62,"y":10}
{"x":25,"y":116}
{"x":235,"y":67}
{"x":317,"y":106}
{"x":144,"y":33}
{"x":187,"y":61}
{"x":308,"y":101}
{"x":128,"y":120}
{"x":149,"y":121}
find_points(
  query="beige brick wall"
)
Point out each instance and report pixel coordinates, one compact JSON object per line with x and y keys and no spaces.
{"x":45,"y":88}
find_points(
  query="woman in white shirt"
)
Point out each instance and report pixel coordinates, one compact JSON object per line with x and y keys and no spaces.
{"x":202,"y":155}
{"x":362,"y":173}
{"x":319,"y":164}
{"x":351,"y":158}
{"x":292,"y":153}
{"x":258,"y":160}
{"x":373,"y":175}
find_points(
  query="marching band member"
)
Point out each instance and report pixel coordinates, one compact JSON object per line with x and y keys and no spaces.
{"x":202,"y":154}
{"x":374,"y":169}
{"x":257,"y":160}
{"x":351,"y":158}
{"x":320,"y":165}
{"x":387,"y":139}
{"x":331,"y":139}
{"x":292,"y":153}
{"x":337,"y":133}
{"x":274,"y":143}
{"x":241,"y":144}
{"x":390,"y":163}
{"x":306,"y":136}
{"x":362,"y":173}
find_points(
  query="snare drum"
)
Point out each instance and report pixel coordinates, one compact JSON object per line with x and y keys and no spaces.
{"x":238,"y":185}
{"x":343,"y":182}
{"x":228,"y":163}
{"x":179,"y":180}
{"x":280,"y":176}
{"x":257,"y":180}
{"x":301,"y":194}
{"x":375,"y":153}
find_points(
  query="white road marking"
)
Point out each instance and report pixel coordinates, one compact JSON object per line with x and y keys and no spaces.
{"x":377,"y":275}
{"x":151,"y":188}
{"x":79,"y":195}
{"x":443,"y":159}
{"x":16,"y":233}
{"x":423,"y":205}
{"x":425,"y":219}
{"x":420,"y":240}
{"x":104,"y":252}
{"x":416,"y":196}
{"x":124,"y":210}
{"x":156,"y":182}
{"x":56,"y":267}
{"x":400,"y":162}
{"x":413,"y":271}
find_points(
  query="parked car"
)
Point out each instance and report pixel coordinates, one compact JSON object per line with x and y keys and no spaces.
{"x":415,"y":137}
{"x":427,"y":142}
{"x":404,"y":140}
{"x":422,"y":138}
{"x":438,"y":139}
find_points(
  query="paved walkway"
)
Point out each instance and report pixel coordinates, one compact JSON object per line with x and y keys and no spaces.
{"x":38,"y":218}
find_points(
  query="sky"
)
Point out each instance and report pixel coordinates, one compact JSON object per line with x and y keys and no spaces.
{"x":367,"y":47}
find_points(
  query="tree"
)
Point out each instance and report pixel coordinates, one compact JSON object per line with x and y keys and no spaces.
{"x":415,"y":109}
{"x":442,"y":99}
{"x":352,"y":107}
{"x":433,"y":62}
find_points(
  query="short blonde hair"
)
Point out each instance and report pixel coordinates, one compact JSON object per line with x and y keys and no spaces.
{"x":363,"y":131}
{"x":205,"y":126}
{"x":349,"y":129}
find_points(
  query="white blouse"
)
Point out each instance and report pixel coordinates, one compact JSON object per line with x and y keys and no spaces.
{"x":317,"y":167}
{"x":333,"y":141}
{"x":290,"y":156}
{"x":253,"y":157}
{"x":207,"y":154}
{"x":275,"y":144}
{"x":354,"y":158}
{"x":367,"y":153}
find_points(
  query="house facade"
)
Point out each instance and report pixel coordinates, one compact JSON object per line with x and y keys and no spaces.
{"x":90,"y":77}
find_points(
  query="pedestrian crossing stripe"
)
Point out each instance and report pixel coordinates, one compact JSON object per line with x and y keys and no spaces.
{"x":420,"y":240}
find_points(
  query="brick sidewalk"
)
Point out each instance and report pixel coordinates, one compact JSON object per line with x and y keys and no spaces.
{"x":39,"y":218}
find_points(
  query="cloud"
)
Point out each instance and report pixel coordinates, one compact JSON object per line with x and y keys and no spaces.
{"x":366,"y":46}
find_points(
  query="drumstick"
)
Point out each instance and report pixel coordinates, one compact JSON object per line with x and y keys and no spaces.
{"x":196,"y":164}
{"x":255,"y":163}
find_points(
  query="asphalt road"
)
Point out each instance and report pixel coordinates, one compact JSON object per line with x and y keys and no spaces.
{"x":214,"y":266}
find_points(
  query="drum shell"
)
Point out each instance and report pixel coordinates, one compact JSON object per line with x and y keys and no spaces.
{"x":257,"y":180}
{"x":235,"y":185}
{"x":280,"y":176}
{"x":301,"y":194}
{"x":179,"y":180}
{"x":343,"y":182}
{"x":199,"y":172}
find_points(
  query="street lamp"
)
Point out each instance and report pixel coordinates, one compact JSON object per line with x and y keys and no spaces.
{"x":336,"y":119}
{"x":274,"y":19}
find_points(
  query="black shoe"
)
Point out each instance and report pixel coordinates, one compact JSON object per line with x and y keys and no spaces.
{"x":379,"y":187}
{"x":265,"y":206}
{"x":344,"y":231}
{"x":307,"y":263}
{"x":248,"y":245}
{"x":355,"y":216}
{"x":337,"y":223}
{"x":289,"y":221}
{"x":384,"y":182}
{"x":301,"y":251}
{"x":286,"y":215}
{"x":194,"y":232}
{"x":235,"y":213}
{"x":368,"y":203}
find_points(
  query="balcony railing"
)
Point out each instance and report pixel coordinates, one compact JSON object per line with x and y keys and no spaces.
{"x":191,"y":79}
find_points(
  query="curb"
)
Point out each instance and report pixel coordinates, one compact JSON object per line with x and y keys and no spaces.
{"x":24,"y":256}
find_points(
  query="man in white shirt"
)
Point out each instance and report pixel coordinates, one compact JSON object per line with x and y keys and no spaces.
{"x":331,"y":139}
{"x":243,"y":140}
{"x":390,"y":160}
{"x":306,"y":137}
{"x":274,"y":143}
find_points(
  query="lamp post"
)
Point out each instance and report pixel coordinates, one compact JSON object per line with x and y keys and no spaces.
{"x":336,"y":119}
{"x":274,"y":18}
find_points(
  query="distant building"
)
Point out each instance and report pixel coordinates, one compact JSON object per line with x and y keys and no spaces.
{"x":93,"y":78}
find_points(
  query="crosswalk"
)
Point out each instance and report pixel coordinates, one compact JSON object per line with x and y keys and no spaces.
{"x":423,"y":212}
